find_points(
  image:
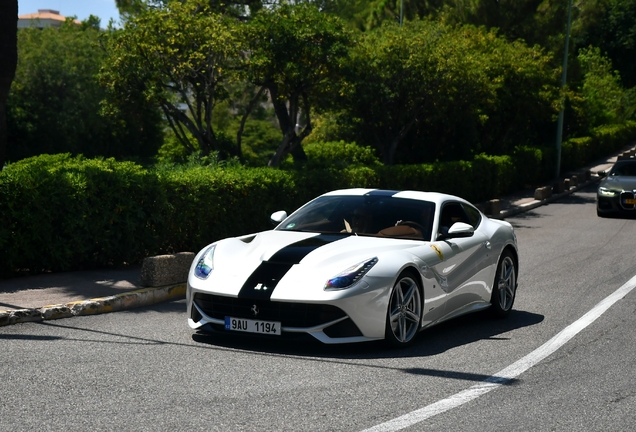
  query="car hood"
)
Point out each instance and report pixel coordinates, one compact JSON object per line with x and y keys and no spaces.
{"x":311,"y":249}
{"x":619,"y":183}
{"x":307,"y":258}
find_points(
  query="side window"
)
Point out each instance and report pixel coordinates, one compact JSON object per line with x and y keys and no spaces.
{"x":451,"y":213}
{"x":473,"y":215}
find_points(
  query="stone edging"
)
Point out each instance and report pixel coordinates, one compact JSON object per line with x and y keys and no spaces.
{"x":539,"y":202}
{"x":118,"y":302}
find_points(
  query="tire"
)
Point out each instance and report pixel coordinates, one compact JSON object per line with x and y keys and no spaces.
{"x":404,"y":314}
{"x":504,"y":289}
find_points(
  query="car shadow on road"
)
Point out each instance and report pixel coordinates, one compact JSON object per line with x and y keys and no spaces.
{"x":435,"y":340}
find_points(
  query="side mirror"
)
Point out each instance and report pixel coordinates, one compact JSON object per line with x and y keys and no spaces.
{"x":278,"y":217}
{"x":602,"y":174}
{"x":460,"y":230}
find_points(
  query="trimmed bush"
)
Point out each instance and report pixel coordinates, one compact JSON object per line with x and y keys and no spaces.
{"x":604,"y":140}
{"x":533,"y":166}
{"x":62,"y":213}
{"x":339,"y":154}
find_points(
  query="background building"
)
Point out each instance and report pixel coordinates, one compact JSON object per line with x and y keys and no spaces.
{"x":43,"y":18}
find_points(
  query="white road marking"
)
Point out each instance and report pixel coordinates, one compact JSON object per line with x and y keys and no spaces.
{"x":509,"y":373}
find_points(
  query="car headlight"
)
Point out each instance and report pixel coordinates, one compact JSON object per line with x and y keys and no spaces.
{"x":205,"y":264}
{"x":350,"y":276}
{"x":607,"y":192}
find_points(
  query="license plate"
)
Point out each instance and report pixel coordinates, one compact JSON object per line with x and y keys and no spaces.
{"x":629,"y":201}
{"x":252,"y":326}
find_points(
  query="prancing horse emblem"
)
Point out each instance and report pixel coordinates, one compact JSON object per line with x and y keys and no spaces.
{"x":254,"y":310}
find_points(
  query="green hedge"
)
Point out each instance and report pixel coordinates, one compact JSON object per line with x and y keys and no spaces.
{"x":206,"y":204}
{"x":61,"y":213}
{"x":64,"y":213}
{"x":604,"y":140}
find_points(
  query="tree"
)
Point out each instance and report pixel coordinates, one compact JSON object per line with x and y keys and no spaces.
{"x":399,"y":76}
{"x":611,"y":26}
{"x":8,"y":62}
{"x":601,"y":88}
{"x":434,"y":91}
{"x":295,"y":52}
{"x":533,"y":21}
{"x":179,"y":57}
{"x":240,"y":9}
{"x":526,"y":93}
{"x":55,"y":103}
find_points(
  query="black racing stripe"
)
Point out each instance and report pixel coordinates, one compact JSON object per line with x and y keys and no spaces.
{"x":295,"y":252}
{"x":260,"y":285}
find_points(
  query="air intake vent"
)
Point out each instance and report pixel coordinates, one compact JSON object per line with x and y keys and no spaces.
{"x":289,"y":314}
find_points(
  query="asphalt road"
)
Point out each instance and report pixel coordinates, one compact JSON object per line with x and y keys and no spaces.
{"x":144,"y":369}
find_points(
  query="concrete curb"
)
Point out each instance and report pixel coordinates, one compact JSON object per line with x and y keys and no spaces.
{"x":538,"y":203}
{"x":125,"y":301}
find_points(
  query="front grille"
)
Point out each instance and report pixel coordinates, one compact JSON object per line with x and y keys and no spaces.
{"x":288,"y":314}
{"x":627,"y":195}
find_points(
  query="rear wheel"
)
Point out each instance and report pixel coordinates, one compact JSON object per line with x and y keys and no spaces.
{"x":404,"y":315}
{"x":505,"y":286}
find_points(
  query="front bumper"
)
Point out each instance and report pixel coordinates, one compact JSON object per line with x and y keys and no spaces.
{"x":622,"y":203}
{"x":354,"y":315}
{"x":327,"y":323}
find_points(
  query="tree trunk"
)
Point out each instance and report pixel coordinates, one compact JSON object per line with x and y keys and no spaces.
{"x":287,"y":118}
{"x":248,"y":111}
{"x":8,"y":63}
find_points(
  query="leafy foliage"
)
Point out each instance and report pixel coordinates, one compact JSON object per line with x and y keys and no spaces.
{"x":61,"y":213}
{"x":526,"y":93}
{"x":295,"y":52}
{"x":179,"y":57}
{"x":601,"y":89}
{"x":395,"y":77}
{"x":610,"y":25}
{"x":340,"y":154}
{"x":55,"y":104}
{"x":443,"y":92}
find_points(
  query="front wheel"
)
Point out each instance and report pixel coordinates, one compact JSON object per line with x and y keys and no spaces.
{"x":505,"y":286}
{"x":404,"y":315}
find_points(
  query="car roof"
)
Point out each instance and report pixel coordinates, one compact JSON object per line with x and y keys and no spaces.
{"x":435,"y":197}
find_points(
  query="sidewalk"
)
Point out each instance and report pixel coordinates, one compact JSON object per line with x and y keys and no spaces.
{"x":31,"y":292}
{"x":61,"y":295}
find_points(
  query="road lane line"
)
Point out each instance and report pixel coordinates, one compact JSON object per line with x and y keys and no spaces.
{"x":509,"y":373}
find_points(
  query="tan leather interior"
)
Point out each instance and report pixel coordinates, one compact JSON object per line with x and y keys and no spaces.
{"x":401,"y":231}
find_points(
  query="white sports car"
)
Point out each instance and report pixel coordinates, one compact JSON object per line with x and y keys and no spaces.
{"x":357,"y":265}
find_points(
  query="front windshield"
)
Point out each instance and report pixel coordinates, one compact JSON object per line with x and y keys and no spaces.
{"x":380,"y":216}
{"x":624,"y":168}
